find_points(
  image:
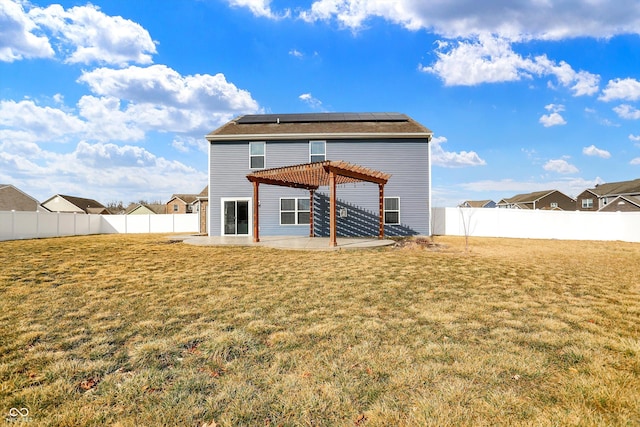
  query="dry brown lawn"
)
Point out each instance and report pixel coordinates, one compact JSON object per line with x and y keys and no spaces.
{"x":139,"y":330}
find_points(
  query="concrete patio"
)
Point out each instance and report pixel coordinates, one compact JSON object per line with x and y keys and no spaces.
{"x":288,"y":242}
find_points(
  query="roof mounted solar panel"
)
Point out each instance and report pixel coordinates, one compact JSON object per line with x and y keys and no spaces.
{"x":321,"y":117}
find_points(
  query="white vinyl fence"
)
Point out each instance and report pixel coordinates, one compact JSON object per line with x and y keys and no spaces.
{"x":536,"y":224}
{"x":30,"y":225}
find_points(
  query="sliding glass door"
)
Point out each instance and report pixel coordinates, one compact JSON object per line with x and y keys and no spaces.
{"x":235,"y":217}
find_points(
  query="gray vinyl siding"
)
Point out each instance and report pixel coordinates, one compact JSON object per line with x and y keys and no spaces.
{"x":406,"y":160}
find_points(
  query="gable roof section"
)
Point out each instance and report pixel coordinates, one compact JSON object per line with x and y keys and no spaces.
{"x":204,"y":194}
{"x":617,"y":188}
{"x":528,"y":197}
{"x":634,"y":200}
{"x":152,"y":207}
{"x":186,"y":198}
{"x":12,"y":198}
{"x":476,"y":203}
{"x":87,"y":205}
{"x":325,"y":125}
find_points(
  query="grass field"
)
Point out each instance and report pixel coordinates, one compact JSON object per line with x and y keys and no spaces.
{"x":140,"y":330}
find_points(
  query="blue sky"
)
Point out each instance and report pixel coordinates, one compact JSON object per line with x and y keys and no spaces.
{"x":111,"y":100}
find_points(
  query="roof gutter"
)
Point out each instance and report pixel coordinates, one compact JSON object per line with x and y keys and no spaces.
{"x":298,"y":136}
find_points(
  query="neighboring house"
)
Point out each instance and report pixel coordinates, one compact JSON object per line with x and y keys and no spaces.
{"x":548,"y":199}
{"x":201,"y":206}
{"x":146,"y":209}
{"x":181,"y":203}
{"x":62,"y":203}
{"x":12,"y":199}
{"x":478,"y":204}
{"x":279,"y":169}
{"x":594,"y":199}
{"x":622,"y":204}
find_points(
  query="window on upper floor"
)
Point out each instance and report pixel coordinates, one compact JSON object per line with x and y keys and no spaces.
{"x":554,"y":204}
{"x":175,"y":207}
{"x":257,"y":155}
{"x":294,"y":211}
{"x":587,"y":203}
{"x":392,"y":210}
{"x":317,"y":151}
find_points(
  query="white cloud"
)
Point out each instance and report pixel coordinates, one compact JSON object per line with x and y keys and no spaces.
{"x":159,"y":84}
{"x":626,"y":111}
{"x":185,"y":144}
{"x":491,"y":59}
{"x":623,"y":89}
{"x":542,"y":19}
{"x":88,"y":35}
{"x":635,"y":161}
{"x":309,"y":99}
{"x":44,"y":123}
{"x":553,"y":119}
{"x":296,"y":53}
{"x":261,"y":8}
{"x":635,"y":138}
{"x":592,"y":150}
{"x":17,"y":34}
{"x":159,"y":98}
{"x":449,"y":159}
{"x":104,"y":171}
{"x":560,"y":166}
{"x":556,"y":108}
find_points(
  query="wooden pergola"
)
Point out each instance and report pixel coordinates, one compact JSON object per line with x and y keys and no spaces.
{"x":312,"y":176}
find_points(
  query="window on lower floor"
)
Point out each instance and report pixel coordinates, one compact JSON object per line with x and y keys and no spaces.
{"x":392,"y":210}
{"x":294,"y":211}
{"x":587,"y":203}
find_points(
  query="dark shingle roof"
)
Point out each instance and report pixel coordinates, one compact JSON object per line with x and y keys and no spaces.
{"x":617,"y":188}
{"x":84,"y":204}
{"x":528,"y":197}
{"x":87,"y":205}
{"x":281,"y":126}
{"x":187,"y":198}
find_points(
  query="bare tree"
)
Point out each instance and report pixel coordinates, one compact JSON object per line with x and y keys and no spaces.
{"x":465,"y":215}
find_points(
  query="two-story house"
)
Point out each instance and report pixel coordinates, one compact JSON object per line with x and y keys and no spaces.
{"x":547,"y":199}
{"x":360,"y":174}
{"x":623,"y":193}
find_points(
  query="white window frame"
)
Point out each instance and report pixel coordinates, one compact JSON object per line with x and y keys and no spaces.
{"x":554,"y":204}
{"x":587,"y":203}
{"x":263,"y":155}
{"x":391,"y":210}
{"x":295,"y":211}
{"x":236,"y":199}
{"x":311,"y":154}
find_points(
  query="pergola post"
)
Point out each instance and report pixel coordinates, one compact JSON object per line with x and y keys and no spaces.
{"x":381,"y":202}
{"x":333,"y":226}
{"x":256,"y":215}
{"x":311,"y":232}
